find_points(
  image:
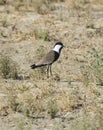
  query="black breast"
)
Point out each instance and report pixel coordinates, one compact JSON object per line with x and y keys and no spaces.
{"x":56,"y":55}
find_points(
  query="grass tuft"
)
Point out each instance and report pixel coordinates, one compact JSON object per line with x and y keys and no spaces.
{"x":41,"y":33}
{"x":52,"y":108}
{"x":93,"y":70}
{"x":8,"y":68}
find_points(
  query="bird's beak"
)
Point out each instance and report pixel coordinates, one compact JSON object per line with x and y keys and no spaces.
{"x":63,"y":46}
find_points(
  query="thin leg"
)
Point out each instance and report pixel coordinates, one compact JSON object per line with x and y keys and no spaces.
{"x":48,"y":71}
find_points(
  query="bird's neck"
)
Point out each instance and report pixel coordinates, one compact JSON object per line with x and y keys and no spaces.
{"x":57,"y":48}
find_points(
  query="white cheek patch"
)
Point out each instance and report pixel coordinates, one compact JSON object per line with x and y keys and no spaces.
{"x":57,"y":48}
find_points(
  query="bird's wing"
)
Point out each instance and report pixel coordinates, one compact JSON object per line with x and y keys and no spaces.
{"x":48,"y":59}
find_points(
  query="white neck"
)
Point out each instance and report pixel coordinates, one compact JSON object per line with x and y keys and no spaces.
{"x":57,"y":48}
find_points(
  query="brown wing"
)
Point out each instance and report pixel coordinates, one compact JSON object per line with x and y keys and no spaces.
{"x":48,"y":59}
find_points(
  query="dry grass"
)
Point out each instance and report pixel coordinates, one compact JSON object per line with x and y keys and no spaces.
{"x":8,"y":68}
{"x":92,"y":71}
{"x":74,"y":94}
{"x":44,"y":7}
{"x":34,"y":98}
{"x":96,"y":2}
{"x":47,"y":99}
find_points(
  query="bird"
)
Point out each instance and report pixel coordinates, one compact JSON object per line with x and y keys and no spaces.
{"x":49,"y":58}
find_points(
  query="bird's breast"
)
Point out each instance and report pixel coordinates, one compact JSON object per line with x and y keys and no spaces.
{"x":56,"y":55}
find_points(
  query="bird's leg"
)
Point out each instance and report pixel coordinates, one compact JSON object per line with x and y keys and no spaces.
{"x":51,"y":70}
{"x":48,"y":71}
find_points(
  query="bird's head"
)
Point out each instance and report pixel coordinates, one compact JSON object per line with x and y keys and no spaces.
{"x":58,"y":46}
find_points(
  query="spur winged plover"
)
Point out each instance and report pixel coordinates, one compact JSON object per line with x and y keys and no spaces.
{"x":49,"y":58}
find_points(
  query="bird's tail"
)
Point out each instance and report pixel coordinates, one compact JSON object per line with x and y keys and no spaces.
{"x":34,"y":66}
